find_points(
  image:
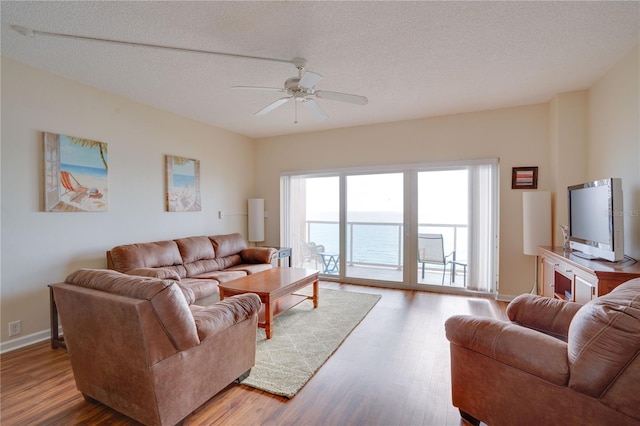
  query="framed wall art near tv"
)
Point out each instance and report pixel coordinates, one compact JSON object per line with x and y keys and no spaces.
{"x":524,"y":178}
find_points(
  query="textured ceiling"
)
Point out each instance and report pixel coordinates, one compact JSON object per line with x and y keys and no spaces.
{"x":411,"y":59}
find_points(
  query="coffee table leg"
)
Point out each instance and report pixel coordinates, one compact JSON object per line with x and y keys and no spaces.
{"x":268,"y":318}
{"x":315,"y":294}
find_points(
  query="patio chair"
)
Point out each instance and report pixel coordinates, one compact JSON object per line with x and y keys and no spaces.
{"x":311,"y":252}
{"x":431,"y":251}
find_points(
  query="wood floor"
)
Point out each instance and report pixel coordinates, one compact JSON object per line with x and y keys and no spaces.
{"x":392,"y":370}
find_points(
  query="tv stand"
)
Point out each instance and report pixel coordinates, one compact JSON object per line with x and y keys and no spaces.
{"x":599,"y":259}
{"x":585,"y":255}
{"x":566,"y":275}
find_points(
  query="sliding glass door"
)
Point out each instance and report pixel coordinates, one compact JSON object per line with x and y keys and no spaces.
{"x":311,"y":221}
{"x":427,"y":225}
{"x":374,"y":226}
{"x":443,"y":225}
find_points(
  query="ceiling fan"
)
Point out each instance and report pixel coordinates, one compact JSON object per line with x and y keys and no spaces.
{"x":302,"y":89}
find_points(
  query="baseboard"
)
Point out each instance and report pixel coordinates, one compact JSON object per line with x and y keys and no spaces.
{"x":21,"y":342}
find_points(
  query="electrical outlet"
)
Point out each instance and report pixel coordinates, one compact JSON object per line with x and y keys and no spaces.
{"x":14,"y":328}
{"x":220,"y":214}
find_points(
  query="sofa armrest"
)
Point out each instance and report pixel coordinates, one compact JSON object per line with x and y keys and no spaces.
{"x":550,"y":316}
{"x":212,"y":319}
{"x":258,"y":255}
{"x":519,"y":347}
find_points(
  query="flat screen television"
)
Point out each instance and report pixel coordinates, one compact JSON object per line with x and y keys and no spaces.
{"x":596,"y":220}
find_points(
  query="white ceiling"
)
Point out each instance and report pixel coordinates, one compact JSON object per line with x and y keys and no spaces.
{"x":411,"y":59}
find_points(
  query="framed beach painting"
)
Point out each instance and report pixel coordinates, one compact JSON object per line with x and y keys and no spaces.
{"x":183,"y":184}
{"x":75,"y":174}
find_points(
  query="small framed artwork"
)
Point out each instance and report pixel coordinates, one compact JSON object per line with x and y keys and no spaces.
{"x":183,"y":184}
{"x":524,"y":178}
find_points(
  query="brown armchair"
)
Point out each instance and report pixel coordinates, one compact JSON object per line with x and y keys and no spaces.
{"x":556,"y":363}
{"x":136,"y":345}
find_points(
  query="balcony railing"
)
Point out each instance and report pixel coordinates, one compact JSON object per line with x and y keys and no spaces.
{"x":380,"y":244}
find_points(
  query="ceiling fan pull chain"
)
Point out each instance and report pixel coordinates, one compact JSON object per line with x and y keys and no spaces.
{"x":295,"y":118}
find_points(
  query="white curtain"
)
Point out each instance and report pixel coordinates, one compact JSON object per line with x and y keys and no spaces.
{"x":293,"y":232}
{"x":484,"y":231}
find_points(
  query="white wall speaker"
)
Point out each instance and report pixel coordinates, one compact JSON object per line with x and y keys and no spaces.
{"x":256,"y":219}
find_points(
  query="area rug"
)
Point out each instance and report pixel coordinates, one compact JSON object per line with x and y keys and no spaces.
{"x":303,"y":338}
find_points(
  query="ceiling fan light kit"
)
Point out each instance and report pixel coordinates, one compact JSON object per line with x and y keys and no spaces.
{"x":301,"y":88}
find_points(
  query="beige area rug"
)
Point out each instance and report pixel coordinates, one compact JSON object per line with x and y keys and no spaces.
{"x":304,"y":338}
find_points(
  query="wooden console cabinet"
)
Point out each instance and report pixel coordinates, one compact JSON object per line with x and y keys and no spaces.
{"x":566,"y":276}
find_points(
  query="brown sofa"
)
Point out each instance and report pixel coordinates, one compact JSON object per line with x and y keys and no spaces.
{"x":199,"y":263}
{"x":556,"y":363}
{"x":136,"y":345}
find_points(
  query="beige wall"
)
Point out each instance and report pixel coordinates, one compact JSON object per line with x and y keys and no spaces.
{"x":568,"y":137}
{"x":577,"y":136}
{"x":614,"y":138}
{"x":39,"y":248}
{"x":518,"y":136}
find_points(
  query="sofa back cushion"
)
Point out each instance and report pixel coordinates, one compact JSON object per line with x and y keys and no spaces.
{"x":198,"y":255}
{"x":159,"y":254}
{"x":227,"y":245}
{"x":165,"y":296}
{"x":604,"y":345}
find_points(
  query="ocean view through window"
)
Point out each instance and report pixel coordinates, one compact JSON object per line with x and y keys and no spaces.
{"x":362,"y":225}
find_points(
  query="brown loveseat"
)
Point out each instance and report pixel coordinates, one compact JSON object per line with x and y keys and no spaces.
{"x":136,"y":345}
{"x":556,"y":363}
{"x":199,"y":263}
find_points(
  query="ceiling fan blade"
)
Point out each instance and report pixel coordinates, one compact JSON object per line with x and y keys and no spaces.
{"x":272,"y":106}
{"x":315,"y":109}
{"x":269,"y":89}
{"x":343,"y":97}
{"x":310,"y":79}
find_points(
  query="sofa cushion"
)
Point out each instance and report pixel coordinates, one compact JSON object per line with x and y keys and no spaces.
{"x":210,"y":320}
{"x":198,"y":255}
{"x":222,"y":276}
{"x":195,"y":248}
{"x":603,"y":339}
{"x":200,"y":287}
{"x":227,"y":245}
{"x":164,"y":274}
{"x":251,"y":268}
{"x":229,"y":261}
{"x":159,"y":254}
{"x":165,"y":296}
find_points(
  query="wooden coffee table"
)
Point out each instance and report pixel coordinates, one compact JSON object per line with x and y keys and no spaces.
{"x":275,"y":288}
